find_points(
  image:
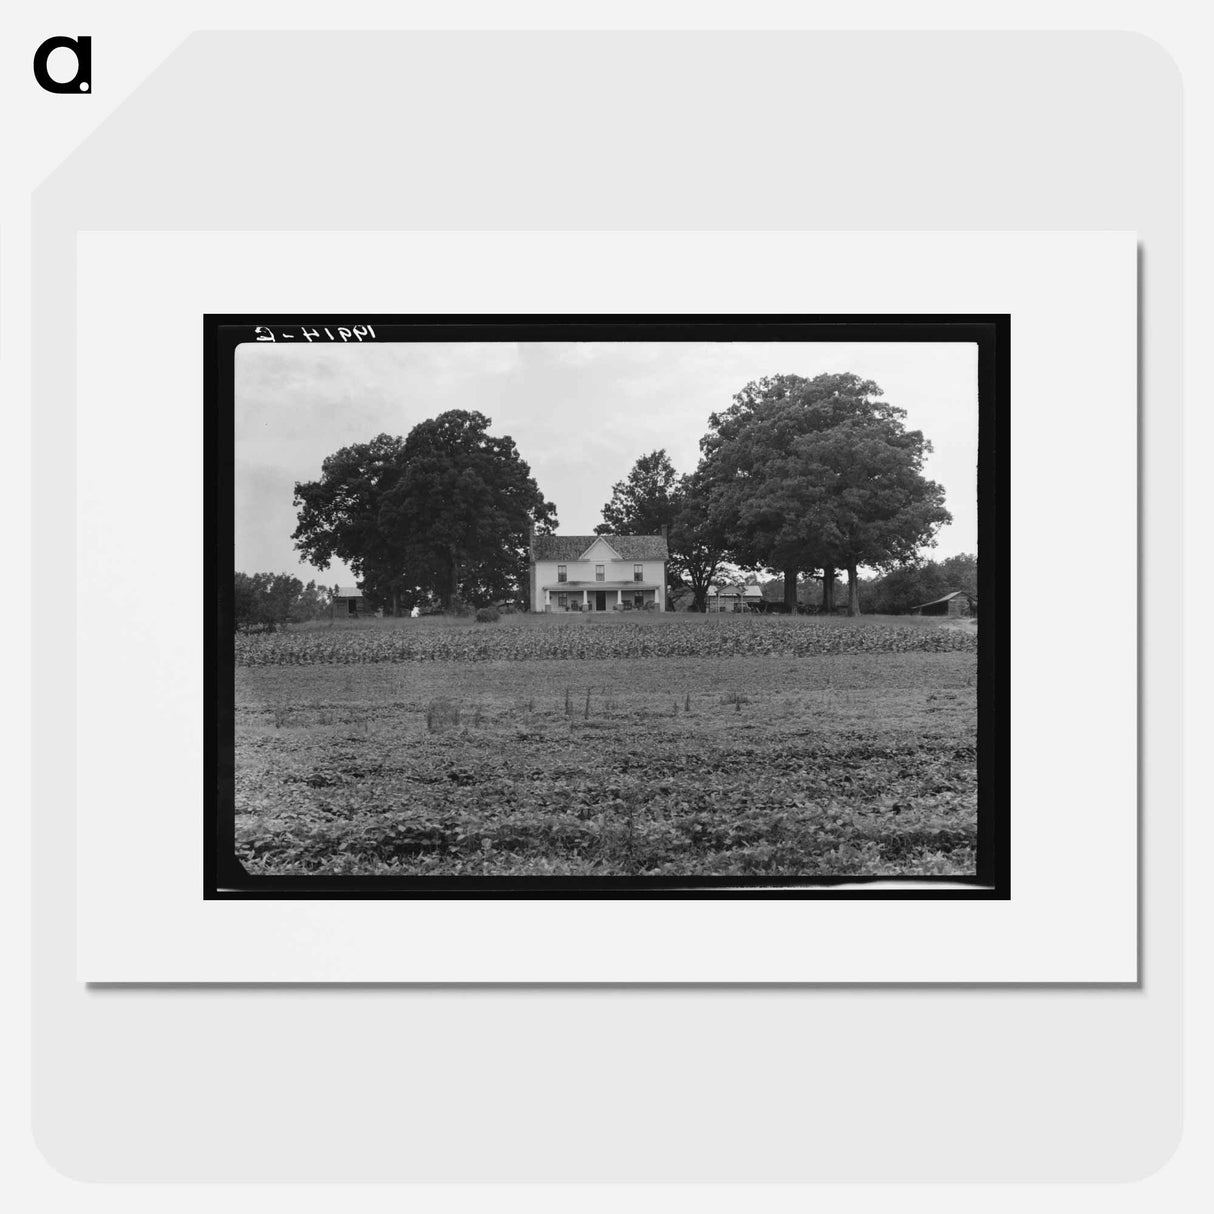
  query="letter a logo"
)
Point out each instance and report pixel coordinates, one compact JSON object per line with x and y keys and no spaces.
{"x":82,"y":81}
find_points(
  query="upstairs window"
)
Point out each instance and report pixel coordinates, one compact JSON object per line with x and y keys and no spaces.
{"x":562,"y":573}
{"x":638,"y":573}
{"x":600,"y":573}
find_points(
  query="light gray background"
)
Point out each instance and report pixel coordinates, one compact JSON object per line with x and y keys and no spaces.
{"x":605,"y":131}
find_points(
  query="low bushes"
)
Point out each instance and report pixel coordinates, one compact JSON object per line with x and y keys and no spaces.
{"x":691,"y":636}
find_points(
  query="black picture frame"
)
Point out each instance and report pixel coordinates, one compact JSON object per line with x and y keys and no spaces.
{"x":223,"y":876}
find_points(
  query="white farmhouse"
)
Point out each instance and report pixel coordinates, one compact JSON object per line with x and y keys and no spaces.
{"x":598,"y":572}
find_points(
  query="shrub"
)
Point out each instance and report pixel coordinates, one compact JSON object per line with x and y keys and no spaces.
{"x":487,"y":615}
{"x":716,"y":636}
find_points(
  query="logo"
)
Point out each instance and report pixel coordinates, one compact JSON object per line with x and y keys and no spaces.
{"x":82,"y":81}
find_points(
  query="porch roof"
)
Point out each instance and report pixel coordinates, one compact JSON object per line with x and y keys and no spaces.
{"x":580,"y":586}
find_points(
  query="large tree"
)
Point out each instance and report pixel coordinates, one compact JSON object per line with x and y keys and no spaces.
{"x":465,"y":506}
{"x":645,"y":501}
{"x":340,"y":517}
{"x":654,"y":498}
{"x":445,"y":512}
{"x":819,"y":474}
{"x":697,"y":542}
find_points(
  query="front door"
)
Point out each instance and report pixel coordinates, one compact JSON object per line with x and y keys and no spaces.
{"x":600,"y":600}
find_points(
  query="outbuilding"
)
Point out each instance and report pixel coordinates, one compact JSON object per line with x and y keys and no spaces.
{"x":960,"y":602}
{"x":348,"y":601}
{"x":735,"y":598}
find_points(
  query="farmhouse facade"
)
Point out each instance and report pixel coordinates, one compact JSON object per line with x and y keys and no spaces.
{"x":598,"y":572}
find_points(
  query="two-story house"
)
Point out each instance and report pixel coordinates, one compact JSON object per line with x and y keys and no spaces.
{"x":598,"y":572}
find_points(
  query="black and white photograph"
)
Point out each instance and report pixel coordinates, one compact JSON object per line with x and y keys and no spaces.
{"x":596,"y":605}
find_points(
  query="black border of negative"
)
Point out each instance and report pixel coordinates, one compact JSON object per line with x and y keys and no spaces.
{"x":224,"y":878}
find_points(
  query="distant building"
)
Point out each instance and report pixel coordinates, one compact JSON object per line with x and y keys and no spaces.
{"x":598,"y":572}
{"x":348,"y":601}
{"x":960,"y":602}
{"x":735,"y":598}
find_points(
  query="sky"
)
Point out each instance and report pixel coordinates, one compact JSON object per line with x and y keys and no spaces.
{"x":580,"y":413}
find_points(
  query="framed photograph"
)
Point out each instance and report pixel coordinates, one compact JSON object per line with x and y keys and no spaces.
{"x":351,"y":777}
{"x":608,"y":606}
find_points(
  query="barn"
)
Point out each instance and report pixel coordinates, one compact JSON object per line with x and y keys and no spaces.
{"x":960,"y":602}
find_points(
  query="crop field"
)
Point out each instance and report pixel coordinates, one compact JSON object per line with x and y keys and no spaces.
{"x":674,"y":746}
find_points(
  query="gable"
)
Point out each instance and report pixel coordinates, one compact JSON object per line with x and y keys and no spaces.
{"x":600,"y":550}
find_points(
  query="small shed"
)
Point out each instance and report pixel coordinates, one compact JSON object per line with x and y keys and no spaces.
{"x":960,"y":602}
{"x":735,"y":598}
{"x":348,"y":601}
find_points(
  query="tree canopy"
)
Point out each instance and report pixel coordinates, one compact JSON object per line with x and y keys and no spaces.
{"x":645,"y":501}
{"x":654,"y":497}
{"x":921,"y":582}
{"x":817,"y":474}
{"x":269,"y":600}
{"x":445,"y":512}
{"x":340,"y":515}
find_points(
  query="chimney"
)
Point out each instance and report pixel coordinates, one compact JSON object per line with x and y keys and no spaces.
{"x":664,"y":531}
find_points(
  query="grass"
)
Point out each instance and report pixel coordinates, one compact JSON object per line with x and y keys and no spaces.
{"x":679,"y":766}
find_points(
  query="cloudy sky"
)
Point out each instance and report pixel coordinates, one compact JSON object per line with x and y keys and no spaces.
{"x":580,"y":414}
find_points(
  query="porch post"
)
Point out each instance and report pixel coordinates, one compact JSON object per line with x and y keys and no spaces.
{"x":619,"y":599}
{"x":584,"y":602}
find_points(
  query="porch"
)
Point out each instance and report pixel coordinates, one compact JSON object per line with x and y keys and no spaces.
{"x":601,"y":596}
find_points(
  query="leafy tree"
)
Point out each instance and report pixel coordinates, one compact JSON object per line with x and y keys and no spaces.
{"x":809,"y":593}
{"x":819,"y":474}
{"x":696,"y":542}
{"x":311,"y":603}
{"x":341,"y":517}
{"x":654,"y":497}
{"x":270,"y":600}
{"x":463,"y":507}
{"x":443,"y":513}
{"x":920,"y":582}
{"x":645,"y":501}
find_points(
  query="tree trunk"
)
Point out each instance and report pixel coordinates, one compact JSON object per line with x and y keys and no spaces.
{"x":828,"y":591}
{"x":790,"y":591}
{"x":452,"y":586}
{"x":395,"y":602}
{"x":853,"y":591}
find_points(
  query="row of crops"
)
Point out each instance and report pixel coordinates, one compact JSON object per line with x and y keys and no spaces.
{"x":743,"y":637}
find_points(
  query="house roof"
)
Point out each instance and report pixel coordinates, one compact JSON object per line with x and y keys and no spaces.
{"x":571,"y":547}
{"x":749,"y":591}
{"x":349,"y":592}
{"x":944,"y":599}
